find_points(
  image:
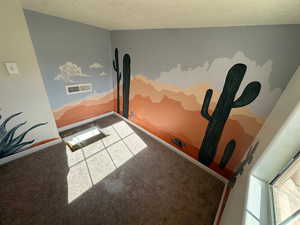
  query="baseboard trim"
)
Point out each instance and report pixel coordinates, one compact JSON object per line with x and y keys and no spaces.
{"x":29,"y":151}
{"x":219,"y":211}
{"x":210,"y":171}
{"x":82,"y":122}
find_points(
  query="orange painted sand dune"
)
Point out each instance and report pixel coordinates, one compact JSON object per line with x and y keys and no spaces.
{"x":84,"y":109}
{"x":170,"y":112}
{"x":168,"y":120}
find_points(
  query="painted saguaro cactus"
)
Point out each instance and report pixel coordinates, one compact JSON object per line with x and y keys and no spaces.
{"x":219,"y":116}
{"x":9,"y":144}
{"x":126,"y":84}
{"x":119,"y":76}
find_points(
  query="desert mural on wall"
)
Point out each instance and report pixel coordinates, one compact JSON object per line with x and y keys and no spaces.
{"x":171,"y":108}
{"x":86,"y":108}
{"x":218,"y":118}
{"x":73,"y":56}
{"x":92,"y":105}
{"x":126,"y":82}
{"x":12,"y":143}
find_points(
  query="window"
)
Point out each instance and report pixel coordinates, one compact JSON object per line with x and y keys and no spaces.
{"x":286,"y":194}
{"x":78,"y":88}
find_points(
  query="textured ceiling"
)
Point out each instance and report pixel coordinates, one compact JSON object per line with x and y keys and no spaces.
{"x":146,"y":14}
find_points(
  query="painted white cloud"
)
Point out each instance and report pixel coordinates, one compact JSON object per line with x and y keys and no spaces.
{"x":103,"y":74}
{"x":215,"y":72}
{"x":68,"y":71}
{"x":96,"y":65}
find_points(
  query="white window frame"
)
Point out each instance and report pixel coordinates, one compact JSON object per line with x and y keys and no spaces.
{"x":78,"y":85}
{"x":277,"y":177}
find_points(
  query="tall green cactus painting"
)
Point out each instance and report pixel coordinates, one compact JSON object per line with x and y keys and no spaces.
{"x":9,"y":144}
{"x":218,"y":118}
{"x":126,"y":84}
{"x":119,"y":76}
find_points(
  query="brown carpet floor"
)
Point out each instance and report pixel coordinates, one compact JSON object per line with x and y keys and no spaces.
{"x":128,"y":178}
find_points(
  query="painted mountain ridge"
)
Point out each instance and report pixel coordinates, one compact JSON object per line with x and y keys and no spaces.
{"x":191,"y":98}
{"x":84,"y":109}
{"x":169,"y":111}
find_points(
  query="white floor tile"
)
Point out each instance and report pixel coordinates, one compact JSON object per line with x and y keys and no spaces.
{"x":100,"y":166}
{"x":123,"y":129}
{"x":119,"y":153}
{"x":73,"y":157}
{"x":93,"y":148}
{"x":78,"y":180}
{"x":135,"y":143}
{"x":112,"y":136}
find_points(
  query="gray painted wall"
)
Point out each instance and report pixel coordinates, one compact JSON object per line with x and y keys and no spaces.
{"x":57,"y":41}
{"x":155,"y":52}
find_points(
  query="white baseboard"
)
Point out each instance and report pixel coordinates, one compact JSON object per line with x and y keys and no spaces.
{"x":218,"y":215}
{"x":77,"y":124}
{"x":29,"y":151}
{"x":210,"y":171}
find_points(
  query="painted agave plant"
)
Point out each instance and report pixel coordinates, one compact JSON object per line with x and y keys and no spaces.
{"x":11,"y":144}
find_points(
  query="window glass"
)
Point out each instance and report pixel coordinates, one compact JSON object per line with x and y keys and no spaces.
{"x":286,"y":195}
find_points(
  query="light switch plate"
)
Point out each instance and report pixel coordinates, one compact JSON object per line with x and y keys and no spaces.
{"x":12,"y":68}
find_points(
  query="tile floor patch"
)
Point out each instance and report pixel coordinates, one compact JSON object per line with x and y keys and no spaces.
{"x":119,"y":153}
{"x":93,"y":148}
{"x":100,"y":165}
{"x":112,"y":136}
{"x":135,"y":143}
{"x":73,"y":157}
{"x":123,"y":129}
{"x":79,"y":181}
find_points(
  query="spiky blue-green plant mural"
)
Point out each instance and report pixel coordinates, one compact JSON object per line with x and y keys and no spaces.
{"x":9,"y":142}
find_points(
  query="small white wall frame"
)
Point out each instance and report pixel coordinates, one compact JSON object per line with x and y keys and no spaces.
{"x":78,"y":88}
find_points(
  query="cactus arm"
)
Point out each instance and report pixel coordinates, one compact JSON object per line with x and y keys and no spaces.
{"x":114,"y":65}
{"x":205,"y":106}
{"x":119,"y":76}
{"x":249,"y":94}
{"x":228,"y":152}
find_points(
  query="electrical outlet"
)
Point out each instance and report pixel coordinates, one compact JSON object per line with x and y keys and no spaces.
{"x":178,"y":142}
{"x":132,"y":115}
{"x":12,"y":68}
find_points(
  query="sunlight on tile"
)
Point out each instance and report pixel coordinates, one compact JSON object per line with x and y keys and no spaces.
{"x":119,"y":153}
{"x":82,"y":135}
{"x":93,"y":163}
{"x":73,"y":157}
{"x":93,"y":148}
{"x":123,"y":129}
{"x":135,"y":143}
{"x":100,"y":165}
{"x":78,"y":181}
{"x":112,"y":136}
